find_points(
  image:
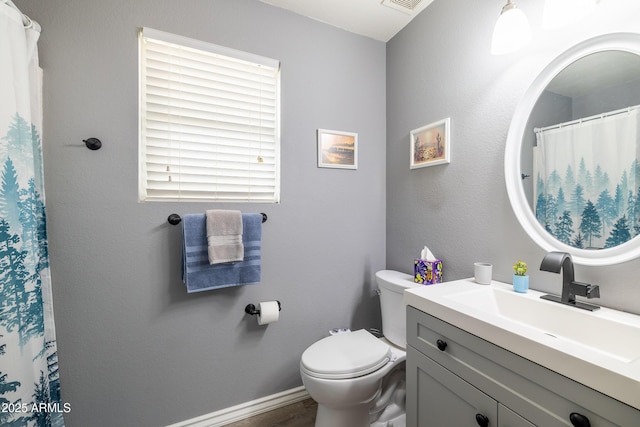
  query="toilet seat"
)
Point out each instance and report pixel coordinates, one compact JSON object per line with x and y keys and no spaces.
{"x":344,"y":356}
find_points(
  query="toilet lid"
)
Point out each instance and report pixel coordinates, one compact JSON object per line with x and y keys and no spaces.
{"x":347,"y":355}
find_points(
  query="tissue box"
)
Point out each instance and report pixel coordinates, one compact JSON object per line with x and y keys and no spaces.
{"x":427,"y":272}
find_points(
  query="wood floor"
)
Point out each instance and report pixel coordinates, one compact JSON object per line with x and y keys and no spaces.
{"x":300,"y":414}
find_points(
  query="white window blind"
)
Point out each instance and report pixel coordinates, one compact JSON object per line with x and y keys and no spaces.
{"x":209,"y":122}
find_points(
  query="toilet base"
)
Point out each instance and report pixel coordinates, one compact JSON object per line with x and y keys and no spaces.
{"x":389,"y":409}
{"x":327,"y":417}
{"x":352,"y":416}
{"x":399,"y":421}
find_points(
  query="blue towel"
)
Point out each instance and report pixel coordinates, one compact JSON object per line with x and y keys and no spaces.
{"x":198,"y":275}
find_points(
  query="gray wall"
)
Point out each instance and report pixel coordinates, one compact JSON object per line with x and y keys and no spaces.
{"x":134,"y":348}
{"x":607,"y":99}
{"x":461,"y":210}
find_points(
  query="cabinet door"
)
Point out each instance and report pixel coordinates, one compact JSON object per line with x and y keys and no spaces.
{"x":438,"y":398}
{"x":508,"y":418}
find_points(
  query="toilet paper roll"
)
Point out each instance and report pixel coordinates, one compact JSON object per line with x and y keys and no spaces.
{"x":269,"y":312}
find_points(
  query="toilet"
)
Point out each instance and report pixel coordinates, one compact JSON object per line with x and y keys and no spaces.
{"x":358,"y":380}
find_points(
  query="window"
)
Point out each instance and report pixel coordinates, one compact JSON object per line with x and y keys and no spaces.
{"x":209,"y":122}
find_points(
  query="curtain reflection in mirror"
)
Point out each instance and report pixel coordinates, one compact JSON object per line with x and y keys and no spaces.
{"x":587,"y":180}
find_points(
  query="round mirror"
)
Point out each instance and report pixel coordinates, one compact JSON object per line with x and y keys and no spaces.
{"x":572,"y":158}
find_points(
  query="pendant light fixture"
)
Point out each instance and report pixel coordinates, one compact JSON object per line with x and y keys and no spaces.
{"x":512,"y":31}
{"x":560,"y":13}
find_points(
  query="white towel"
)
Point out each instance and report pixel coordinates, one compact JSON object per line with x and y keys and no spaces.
{"x":224,"y":236}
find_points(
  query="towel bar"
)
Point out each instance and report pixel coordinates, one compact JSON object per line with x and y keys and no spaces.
{"x":174,"y":219}
{"x":252,"y":310}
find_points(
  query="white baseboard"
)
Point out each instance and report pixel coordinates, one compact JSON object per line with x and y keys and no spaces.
{"x":248,"y":409}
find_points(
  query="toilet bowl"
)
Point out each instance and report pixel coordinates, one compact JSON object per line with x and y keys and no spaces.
{"x":344,"y":373}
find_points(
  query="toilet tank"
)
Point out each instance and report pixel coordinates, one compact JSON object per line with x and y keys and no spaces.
{"x":394,"y":317}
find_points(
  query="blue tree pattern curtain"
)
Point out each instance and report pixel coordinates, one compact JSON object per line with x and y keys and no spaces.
{"x":587,"y":187}
{"x":29,"y":381}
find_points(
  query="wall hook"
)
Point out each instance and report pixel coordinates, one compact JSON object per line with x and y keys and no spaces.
{"x":92,"y":143}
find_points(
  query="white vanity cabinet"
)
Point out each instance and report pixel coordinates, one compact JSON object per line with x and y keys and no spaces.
{"x":456,"y":379}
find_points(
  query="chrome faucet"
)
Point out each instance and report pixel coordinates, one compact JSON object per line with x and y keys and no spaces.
{"x":556,"y":261}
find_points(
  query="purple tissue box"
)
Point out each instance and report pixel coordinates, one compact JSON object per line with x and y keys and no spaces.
{"x":427,"y":272}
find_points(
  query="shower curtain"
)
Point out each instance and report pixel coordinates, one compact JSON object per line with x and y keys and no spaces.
{"x":29,"y":381}
{"x":587,"y":177}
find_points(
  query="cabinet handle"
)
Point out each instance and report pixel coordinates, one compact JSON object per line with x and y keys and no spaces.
{"x":579,"y":420}
{"x":442,"y":345}
{"x":482,"y":420}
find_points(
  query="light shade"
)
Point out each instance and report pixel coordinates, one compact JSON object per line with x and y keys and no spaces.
{"x":512,"y":31}
{"x":559,"y":13}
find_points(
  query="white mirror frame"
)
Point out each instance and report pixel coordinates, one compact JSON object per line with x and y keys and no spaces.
{"x":629,"y":42}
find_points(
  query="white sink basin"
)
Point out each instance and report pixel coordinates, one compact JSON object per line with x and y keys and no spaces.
{"x":615,"y":336}
{"x":600,"y":349}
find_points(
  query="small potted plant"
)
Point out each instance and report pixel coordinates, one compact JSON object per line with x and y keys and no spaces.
{"x":520,"y":278}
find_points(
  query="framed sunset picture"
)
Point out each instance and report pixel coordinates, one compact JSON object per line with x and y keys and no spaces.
{"x":431,"y":144}
{"x":337,"y":149}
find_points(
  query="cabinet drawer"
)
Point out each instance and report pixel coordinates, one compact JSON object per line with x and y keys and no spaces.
{"x":436,"y":397}
{"x":508,"y":418}
{"x":539,"y":395}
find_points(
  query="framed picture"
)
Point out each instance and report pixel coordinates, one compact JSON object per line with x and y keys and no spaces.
{"x":431,"y":144}
{"x":337,"y":149}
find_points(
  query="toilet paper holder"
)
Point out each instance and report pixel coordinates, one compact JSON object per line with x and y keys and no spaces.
{"x":252,"y":310}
